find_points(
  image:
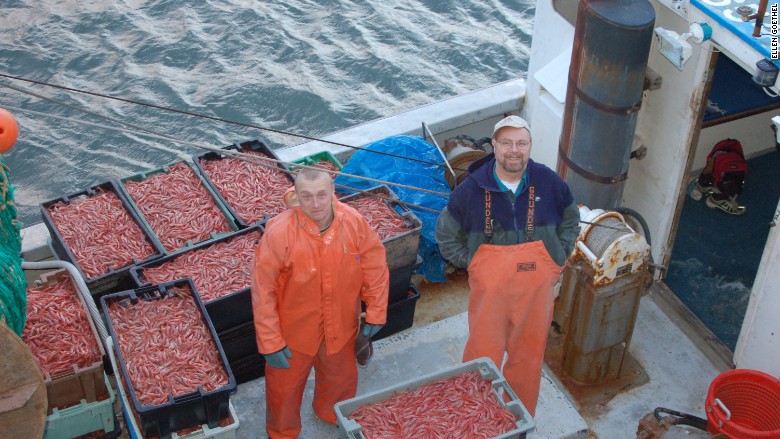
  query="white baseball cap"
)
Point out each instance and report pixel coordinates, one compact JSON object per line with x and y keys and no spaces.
{"x":511,"y":121}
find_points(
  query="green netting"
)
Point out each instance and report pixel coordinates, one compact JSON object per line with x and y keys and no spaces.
{"x":13,"y":286}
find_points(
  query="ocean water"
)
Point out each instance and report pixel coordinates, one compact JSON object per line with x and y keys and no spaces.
{"x":301,"y":66}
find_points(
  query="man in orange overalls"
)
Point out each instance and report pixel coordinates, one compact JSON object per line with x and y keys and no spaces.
{"x":314,"y":265}
{"x":512,"y":222}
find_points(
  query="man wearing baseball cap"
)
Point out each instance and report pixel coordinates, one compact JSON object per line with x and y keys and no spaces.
{"x":511,"y":222}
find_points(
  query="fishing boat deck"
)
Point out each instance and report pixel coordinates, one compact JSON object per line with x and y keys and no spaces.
{"x":678,"y":368}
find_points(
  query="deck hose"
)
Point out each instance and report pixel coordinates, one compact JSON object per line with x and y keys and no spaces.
{"x":82,"y":289}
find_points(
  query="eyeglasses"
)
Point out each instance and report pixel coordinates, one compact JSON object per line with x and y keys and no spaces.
{"x":506,"y":144}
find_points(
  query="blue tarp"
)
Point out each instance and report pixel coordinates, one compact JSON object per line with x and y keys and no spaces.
{"x":397,"y":169}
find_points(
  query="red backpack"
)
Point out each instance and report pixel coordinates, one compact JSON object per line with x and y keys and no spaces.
{"x":728,"y":166}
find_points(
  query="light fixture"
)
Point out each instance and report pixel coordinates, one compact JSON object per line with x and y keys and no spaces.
{"x":673,"y":47}
{"x":676,"y":48}
{"x":766,"y":73}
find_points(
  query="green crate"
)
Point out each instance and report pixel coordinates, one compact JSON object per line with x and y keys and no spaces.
{"x":311,"y":160}
{"x":165,"y":169}
{"x":83,"y":418}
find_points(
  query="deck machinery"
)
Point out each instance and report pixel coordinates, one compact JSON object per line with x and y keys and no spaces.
{"x":599,"y":296}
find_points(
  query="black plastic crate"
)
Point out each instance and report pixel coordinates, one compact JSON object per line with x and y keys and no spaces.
{"x":183,"y":411}
{"x":400,"y":315}
{"x":225,"y":312}
{"x":251,"y":145}
{"x":213,"y":196}
{"x":401,"y":249}
{"x":117,"y":278}
{"x":239,"y":342}
{"x":400,"y":279}
{"x":248,"y":368}
{"x":240,"y":346}
{"x":113,"y":434}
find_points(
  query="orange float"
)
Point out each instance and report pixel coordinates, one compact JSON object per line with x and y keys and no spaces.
{"x":9,"y":130}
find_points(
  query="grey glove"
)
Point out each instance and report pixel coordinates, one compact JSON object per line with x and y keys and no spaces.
{"x":370,"y":329}
{"x":278,"y":360}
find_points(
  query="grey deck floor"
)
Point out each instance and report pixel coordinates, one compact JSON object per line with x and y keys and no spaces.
{"x":679,"y":377}
{"x":398,"y":358}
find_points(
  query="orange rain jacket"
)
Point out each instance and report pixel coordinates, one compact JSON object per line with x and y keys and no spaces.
{"x":307,"y":286}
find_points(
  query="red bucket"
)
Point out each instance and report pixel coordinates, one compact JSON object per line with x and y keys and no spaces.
{"x":744,"y":404}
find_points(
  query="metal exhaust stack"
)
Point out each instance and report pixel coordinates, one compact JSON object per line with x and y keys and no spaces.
{"x":606,"y":81}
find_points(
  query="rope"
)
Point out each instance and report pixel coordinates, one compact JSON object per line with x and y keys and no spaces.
{"x":13,"y":285}
{"x":386,"y":198}
{"x":193,"y":114}
{"x":247,"y":157}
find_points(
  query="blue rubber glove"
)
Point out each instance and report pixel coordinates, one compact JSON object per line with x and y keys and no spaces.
{"x":278,"y":360}
{"x":370,"y":329}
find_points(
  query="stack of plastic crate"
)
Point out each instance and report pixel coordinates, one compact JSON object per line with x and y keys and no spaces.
{"x":231,"y":312}
{"x":253,"y":195}
{"x":85,"y":418}
{"x":167,"y":222}
{"x":115,"y":278}
{"x":402,"y":260}
{"x":178,"y":412}
{"x":226,"y":428}
{"x":81,"y":400}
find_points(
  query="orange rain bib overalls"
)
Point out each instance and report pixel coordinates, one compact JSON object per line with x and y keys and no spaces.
{"x":510,"y":306}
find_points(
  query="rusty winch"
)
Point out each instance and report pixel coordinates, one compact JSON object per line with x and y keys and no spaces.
{"x":599,"y":297}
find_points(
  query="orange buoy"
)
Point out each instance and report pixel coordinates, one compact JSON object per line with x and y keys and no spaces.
{"x":9,"y":130}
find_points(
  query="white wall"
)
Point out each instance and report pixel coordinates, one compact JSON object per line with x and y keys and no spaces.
{"x":758,"y":346}
{"x":544,"y":100}
{"x":666,"y":124}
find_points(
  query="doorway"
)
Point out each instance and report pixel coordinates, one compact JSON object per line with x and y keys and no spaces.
{"x":715,"y":255}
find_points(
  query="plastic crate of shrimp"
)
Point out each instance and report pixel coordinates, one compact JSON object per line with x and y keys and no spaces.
{"x":171,"y":362}
{"x":468,"y":400}
{"x":251,"y":186}
{"x":64,"y":341}
{"x":323,"y":159}
{"x":177,"y":205}
{"x":397,"y":226}
{"x":221,"y":271}
{"x":99,"y":232}
{"x":226,"y":427}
